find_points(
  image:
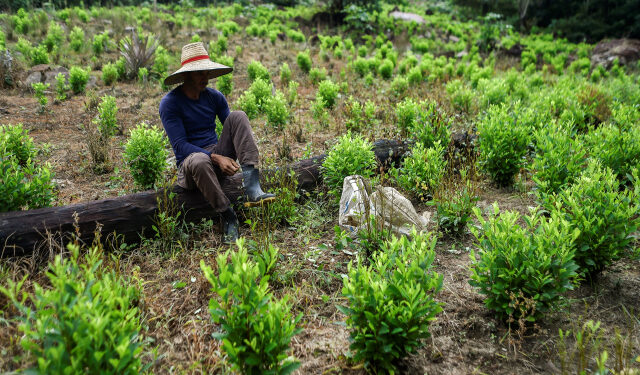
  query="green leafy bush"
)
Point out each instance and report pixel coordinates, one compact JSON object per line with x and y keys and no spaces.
{"x":422,"y":171}
{"x":256,"y":328}
{"x":522,"y":271}
{"x":296,"y":35}
{"x":292,"y":92}
{"x":502,"y":144}
{"x":454,"y":203}
{"x":76,"y":39}
{"x":414,"y":76}
{"x":39,"y":55}
{"x":146,"y":155}
{"x":327,"y":93}
{"x":461,"y":96}
{"x":407,"y":111}
{"x":109,"y":74}
{"x":86,"y":321}
{"x":361,"y":66}
{"x":256,"y":70}
{"x":225,"y":84}
{"x":78,"y":79}
{"x":39,"y":89}
{"x":391,"y":301}
{"x":277,"y":111}
{"x":143,"y":75}
{"x":431,"y":126}
{"x":399,"y":85}
{"x":360,"y":116}
{"x":248,"y":103}
{"x":604,"y":217}
{"x":317,"y":75}
{"x":558,"y":162}
{"x":285,"y":74}
{"x":351,"y":155}
{"x":17,"y":143}
{"x":617,"y":148}
{"x":386,"y":69}
{"x":107,"y":121}
{"x":304,"y":61}
{"x":61,"y":87}
{"x":55,"y":37}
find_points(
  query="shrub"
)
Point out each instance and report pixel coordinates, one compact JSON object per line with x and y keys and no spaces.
{"x":431,"y":126}
{"x":55,"y":36}
{"x":39,"y":89}
{"x":596,"y":105}
{"x":256,"y":328}
{"x":522,"y":271}
{"x":277,"y":111}
{"x":461,"y":96}
{"x":616,"y":148}
{"x":76,"y":38}
{"x":360,"y":116}
{"x":256,"y":70}
{"x":225,"y":84}
{"x":391,"y":301}
{"x":86,"y":321}
{"x":107,"y":116}
{"x":558,"y":162}
{"x":292,"y":93}
{"x":361,"y":66}
{"x":351,"y":155}
{"x":285,"y":73}
{"x":78,"y":79}
{"x":327,"y":93}
{"x":109,"y":74}
{"x":61,"y":87}
{"x":407,"y":112}
{"x":161,"y":62}
{"x":39,"y":55}
{"x":422,"y":171}
{"x":17,"y":142}
{"x":604,"y":217}
{"x":454,"y":206}
{"x":248,"y":103}
{"x":502,"y":144}
{"x":146,"y":155}
{"x":98,"y":43}
{"x":304,"y":61}
{"x":262,"y":90}
{"x":317,"y":75}
{"x":137,"y":53}
{"x":414,"y":77}
{"x":399,"y":85}
{"x":386,"y":69}
{"x":296,"y":36}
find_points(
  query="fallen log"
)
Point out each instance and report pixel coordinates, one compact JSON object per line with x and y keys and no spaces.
{"x":21,"y":232}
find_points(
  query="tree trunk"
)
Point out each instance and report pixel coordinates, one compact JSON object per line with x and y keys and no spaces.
{"x":22,"y":232}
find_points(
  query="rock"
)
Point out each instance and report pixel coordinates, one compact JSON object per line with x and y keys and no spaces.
{"x":627,"y":51}
{"x":453,"y":39}
{"x":40,"y":68}
{"x":50,"y":76}
{"x":407,"y":16}
{"x":33,"y":77}
{"x":461,"y":54}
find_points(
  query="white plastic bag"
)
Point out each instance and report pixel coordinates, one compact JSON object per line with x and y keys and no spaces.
{"x":386,"y":205}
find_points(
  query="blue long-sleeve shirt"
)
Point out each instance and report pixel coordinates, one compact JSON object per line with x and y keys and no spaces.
{"x":191,"y":124}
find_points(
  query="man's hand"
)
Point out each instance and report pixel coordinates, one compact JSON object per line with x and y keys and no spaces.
{"x":227,"y":165}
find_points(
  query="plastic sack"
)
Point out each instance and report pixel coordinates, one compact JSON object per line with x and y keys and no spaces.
{"x":386,"y":205}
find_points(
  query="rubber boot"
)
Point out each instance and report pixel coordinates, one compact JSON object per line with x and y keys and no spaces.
{"x":252,"y":190}
{"x":229,"y":226}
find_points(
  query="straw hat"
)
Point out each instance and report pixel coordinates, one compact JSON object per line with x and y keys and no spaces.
{"x":195,"y":58}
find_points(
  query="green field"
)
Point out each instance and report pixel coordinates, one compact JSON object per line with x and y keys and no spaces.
{"x":522,"y":148}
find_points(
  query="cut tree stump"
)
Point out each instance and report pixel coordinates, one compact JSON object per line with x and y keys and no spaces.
{"x":23,"y":232}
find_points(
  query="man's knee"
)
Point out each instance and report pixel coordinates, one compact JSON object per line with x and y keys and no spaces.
{"x":237,"y":118}
{"x":197,"y":161}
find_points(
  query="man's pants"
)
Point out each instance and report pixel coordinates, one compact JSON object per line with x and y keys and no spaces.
{"x":235,"y":142}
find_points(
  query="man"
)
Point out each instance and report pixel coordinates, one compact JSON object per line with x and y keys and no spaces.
{"x":188,"y":115}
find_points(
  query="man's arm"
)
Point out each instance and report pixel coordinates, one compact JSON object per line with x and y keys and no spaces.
{"x":222,"y":107}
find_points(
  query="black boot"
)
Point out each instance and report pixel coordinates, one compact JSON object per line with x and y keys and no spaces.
{"x":252,"y":190}
{"x":229,"y":226}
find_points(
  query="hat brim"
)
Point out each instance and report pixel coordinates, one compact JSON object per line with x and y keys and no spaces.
{"x":214,"y":69}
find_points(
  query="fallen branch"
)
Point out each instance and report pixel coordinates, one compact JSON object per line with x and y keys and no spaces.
{"x":23,"y":231}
